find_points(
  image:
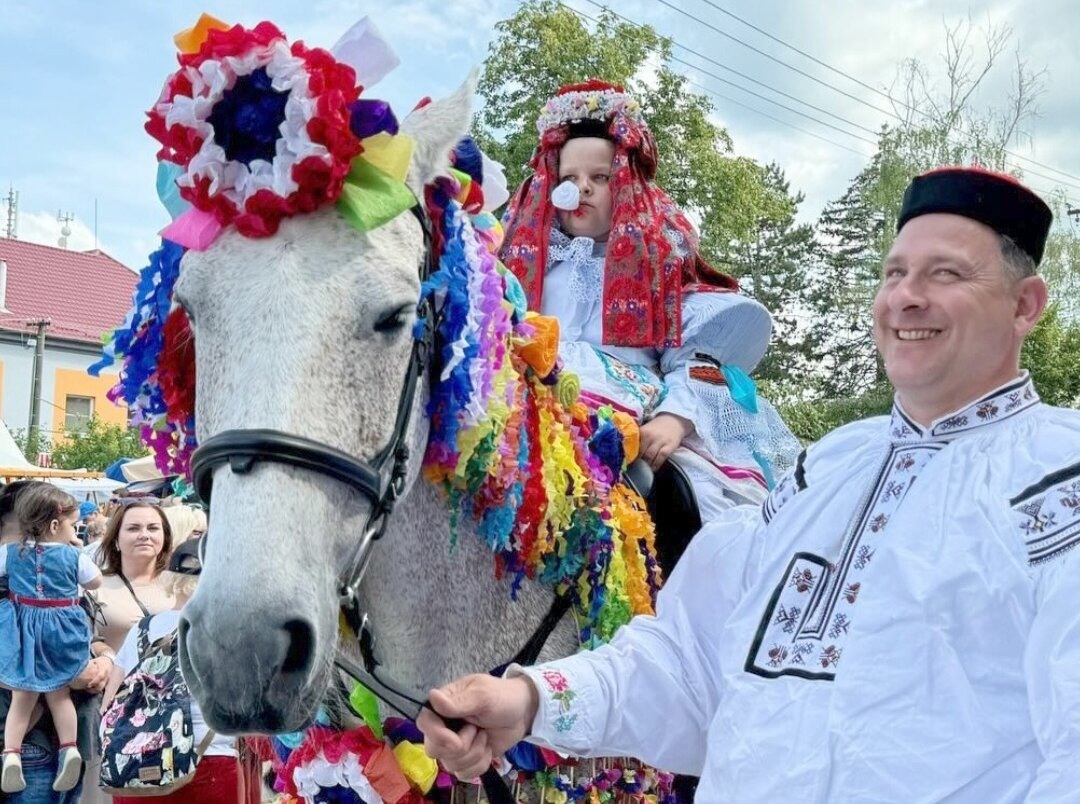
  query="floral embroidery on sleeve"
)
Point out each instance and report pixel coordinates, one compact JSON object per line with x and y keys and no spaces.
{"x":560,"y":692}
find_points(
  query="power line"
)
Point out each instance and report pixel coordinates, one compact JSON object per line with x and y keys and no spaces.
{"x":771,"y":57}
{"x":777,"y":119}
{"x":957,"y":128}
{"x":585,"y":16}
{"x":776,"y":103}
{"x":731,"y":70}
{"x":627,"y":20}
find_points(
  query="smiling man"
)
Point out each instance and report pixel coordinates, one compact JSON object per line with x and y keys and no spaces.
{"x":900,"y":621}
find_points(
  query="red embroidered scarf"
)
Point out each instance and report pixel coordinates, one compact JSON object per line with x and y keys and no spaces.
{"x":652,"y":250}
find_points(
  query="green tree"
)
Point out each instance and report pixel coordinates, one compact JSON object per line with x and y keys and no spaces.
{"x":30,"y":450}
{"x":97,"y":446}
{"x":851,"y":232}
{"x":545,"y":45}
{"x":773,"y":265}
{"x":939,"y":124}
{"x":1052,"y":354}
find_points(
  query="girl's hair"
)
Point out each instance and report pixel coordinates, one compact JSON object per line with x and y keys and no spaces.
{"x":37,"y":506}
{"x":589,"y":128}
{"x":11,"y":492}
{"x":109,"y":553}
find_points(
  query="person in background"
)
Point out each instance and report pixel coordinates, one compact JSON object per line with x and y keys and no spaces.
{"x":221,"y":777}
{"x":184,"y":521}
{"x":134,"y":553}
{"x":40,"y":749}
{"x":49,"y":646}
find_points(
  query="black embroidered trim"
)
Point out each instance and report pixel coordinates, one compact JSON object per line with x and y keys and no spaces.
{"x":763,"y":627}
{"x":1052,"y":479}
{"x":1052,"y":551}
{"x":800,"y":471}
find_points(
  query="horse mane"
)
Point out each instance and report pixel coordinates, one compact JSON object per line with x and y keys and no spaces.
{"x":514,"y":449}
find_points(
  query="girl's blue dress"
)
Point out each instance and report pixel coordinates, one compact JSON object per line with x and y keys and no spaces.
{"x":42,"y":648}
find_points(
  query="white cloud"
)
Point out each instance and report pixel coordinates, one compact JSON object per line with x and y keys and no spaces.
{"x":43,"y":228}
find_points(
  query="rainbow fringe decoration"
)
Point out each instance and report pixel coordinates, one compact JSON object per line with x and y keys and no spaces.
{"x":535,"y":470}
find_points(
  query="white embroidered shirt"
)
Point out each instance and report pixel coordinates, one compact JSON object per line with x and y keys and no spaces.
{"x":900,"y":622}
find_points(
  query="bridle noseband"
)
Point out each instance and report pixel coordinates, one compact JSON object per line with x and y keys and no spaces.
{"x":382,"y":480}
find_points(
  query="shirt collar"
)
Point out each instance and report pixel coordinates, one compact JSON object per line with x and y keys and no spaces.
{"x":1000,"y":404}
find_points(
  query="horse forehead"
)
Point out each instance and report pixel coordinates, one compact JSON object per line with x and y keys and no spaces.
{"x":319,"y":250}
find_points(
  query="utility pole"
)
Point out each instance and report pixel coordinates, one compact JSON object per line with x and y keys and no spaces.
{"x":34,"y":429}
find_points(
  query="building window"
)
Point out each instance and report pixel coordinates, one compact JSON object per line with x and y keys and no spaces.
{"x":78,"y":410}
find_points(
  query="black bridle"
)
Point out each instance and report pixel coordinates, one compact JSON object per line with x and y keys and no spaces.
{"x":382,"y":481}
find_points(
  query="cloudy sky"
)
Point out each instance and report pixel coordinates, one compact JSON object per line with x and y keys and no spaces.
{"x":77,"y":77}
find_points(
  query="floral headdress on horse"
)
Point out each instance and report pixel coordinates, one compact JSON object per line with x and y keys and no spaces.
{"x":652,"y":250}
{"x":253,"y":129}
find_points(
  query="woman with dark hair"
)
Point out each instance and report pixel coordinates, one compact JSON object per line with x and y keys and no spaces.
{"x":134,"y":552}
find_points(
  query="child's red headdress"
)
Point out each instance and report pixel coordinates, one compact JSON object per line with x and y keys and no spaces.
{"x":652,"y":250}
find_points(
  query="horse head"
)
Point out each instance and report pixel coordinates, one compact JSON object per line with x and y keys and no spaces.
{"x":307,"y":332}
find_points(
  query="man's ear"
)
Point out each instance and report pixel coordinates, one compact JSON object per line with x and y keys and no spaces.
{"x":1031,"y":300}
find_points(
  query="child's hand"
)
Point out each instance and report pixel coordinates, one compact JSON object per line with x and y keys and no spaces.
{"x":661,"y":436}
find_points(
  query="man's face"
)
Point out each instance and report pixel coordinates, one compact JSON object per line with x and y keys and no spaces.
{"x":587,"y":162}
{"x":948,"y":319}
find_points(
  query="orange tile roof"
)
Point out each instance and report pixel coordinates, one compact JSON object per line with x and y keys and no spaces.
{"x":82,"y":293}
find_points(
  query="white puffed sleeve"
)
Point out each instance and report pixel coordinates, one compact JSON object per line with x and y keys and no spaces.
{"x":1052,"y":667}
{"x":653,"y":691}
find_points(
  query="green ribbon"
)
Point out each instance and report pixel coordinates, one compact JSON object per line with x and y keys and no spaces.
{"x":364,"y":703}
{"x":372,"y":197}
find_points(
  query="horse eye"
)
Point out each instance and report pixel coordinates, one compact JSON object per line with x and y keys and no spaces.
{"x":394,"y":320}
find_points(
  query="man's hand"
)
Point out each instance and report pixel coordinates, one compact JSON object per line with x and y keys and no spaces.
{"x":95,"y":676}
{"x":499,"y":713}
{"x":661,"y":436}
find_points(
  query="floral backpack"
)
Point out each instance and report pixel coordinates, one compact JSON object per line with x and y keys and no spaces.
{"x":147,"y":740}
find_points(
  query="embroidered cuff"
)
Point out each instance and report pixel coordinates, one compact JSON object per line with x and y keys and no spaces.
{"x":560,"y":721}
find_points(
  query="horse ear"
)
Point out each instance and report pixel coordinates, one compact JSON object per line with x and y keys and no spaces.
{"x":436,"y":128}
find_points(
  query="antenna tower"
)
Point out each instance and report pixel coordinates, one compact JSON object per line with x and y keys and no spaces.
{"x":12,"y":214}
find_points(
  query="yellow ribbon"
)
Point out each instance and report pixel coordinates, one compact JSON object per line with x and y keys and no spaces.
{"x":420,"y":769}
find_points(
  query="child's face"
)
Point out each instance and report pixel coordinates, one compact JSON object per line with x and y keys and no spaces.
{"x":587,"y":162}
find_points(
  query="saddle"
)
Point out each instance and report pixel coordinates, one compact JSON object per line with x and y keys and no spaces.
{"x":672,"y":505}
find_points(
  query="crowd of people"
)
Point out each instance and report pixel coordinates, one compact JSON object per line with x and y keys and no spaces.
{"x":79,"y":586}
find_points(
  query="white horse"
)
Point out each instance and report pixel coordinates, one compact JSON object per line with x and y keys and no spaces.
{"x":309,"y":332}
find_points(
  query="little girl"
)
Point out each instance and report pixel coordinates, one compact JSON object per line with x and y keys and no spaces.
{"x":50,"y":645}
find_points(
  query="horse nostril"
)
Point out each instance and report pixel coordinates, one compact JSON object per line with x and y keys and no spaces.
{"x":301,"y":644}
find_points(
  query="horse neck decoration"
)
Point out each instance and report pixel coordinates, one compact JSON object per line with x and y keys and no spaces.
{"x":304,"y":324}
